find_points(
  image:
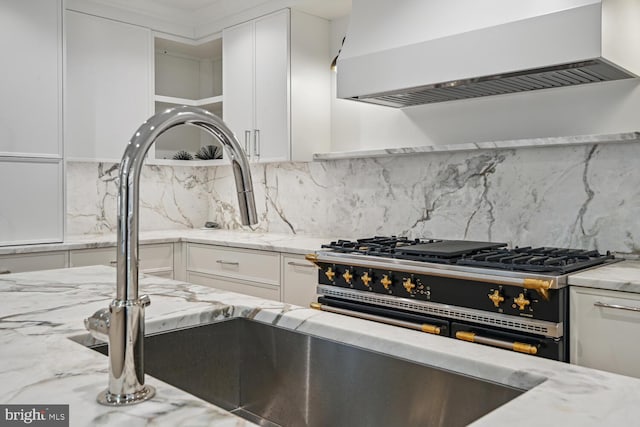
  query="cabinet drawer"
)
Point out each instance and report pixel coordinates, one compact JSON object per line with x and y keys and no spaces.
{"x":248,"y":288}
{"x":300,"y":280}
{"x":32,"y":262}
{"x":153,"y":258}
{"x":240,"y":264}
{"x":604,"y":330}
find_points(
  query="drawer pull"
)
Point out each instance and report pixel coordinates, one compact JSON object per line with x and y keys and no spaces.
{"x":219,"y":261}
{"x":299,"y":264}
{"x":115,"y":263}
{"x":616,"y":306}
{"x":3,"y":271}
{"x":520,"y":347}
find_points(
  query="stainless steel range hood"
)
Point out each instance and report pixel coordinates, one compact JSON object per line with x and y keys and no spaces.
{"x":401,"y":53}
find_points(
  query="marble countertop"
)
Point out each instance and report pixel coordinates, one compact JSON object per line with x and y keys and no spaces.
{"x":289,"y":243}
{"x":484,"y":145}
{"x":619,"y":276}
{"x":40,"y":365}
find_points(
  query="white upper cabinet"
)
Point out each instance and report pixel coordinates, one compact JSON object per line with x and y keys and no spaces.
{"x":271,"y":65}
{"x":31,"y":84}
{"x":108,"y":85}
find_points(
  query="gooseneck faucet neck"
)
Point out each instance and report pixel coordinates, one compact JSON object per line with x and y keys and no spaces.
{"x":126,"y":312}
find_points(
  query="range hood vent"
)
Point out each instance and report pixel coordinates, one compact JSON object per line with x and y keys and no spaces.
{"x":584,"y":42}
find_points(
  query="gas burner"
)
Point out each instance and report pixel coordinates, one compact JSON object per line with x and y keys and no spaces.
{"x":473,"y":253}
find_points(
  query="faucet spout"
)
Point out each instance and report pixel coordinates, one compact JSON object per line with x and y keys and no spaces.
{"x":126,"y":312}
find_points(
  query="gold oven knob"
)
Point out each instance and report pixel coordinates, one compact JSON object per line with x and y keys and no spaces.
{"x":521,"y":302}
{"x":347,"y":276}
{"x":386,"y":282}
{"x":330,"y":274}
{"x":366,"y":279}
{"x":496,"y":298}
{"x":408,"y":284}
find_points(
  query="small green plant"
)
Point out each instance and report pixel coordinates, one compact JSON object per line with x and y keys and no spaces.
{"x":209,"y":152}
{"x":182,"y":155}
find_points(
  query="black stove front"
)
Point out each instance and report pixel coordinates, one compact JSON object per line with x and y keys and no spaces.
{"x":476,"y":291}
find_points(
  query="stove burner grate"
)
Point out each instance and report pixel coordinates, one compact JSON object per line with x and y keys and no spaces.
{"x":495,"y":256}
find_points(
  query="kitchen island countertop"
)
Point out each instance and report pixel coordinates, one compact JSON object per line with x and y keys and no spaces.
{"x":40,"y":365}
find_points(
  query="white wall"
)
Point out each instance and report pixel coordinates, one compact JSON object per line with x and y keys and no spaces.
{"x":599,"y":108}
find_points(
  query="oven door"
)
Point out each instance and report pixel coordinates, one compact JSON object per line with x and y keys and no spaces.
{"x":550,"y":348}
{"x":390,"y":316}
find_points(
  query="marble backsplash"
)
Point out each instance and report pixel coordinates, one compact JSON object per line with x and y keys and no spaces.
{"x":584,"y":196}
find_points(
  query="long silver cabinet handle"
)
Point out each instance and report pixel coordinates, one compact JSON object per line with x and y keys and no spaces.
{"x":299,"y":264}
{"x":256,"y":142}
{"x":616,"y":306}
{"x":247,"y":136}
{"x":219,"y":261}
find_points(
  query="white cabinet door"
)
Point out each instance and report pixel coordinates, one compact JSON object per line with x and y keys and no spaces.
{"x":107,"y":90}
{"x":155,"y":259}
{"x":260,"y":290}
{"x":300,"y":280}
{"x":31,"y":169}
{"x":256,"y":85}
{"x":605,"y":326}
{"x":237,"y":81}
{"x":272,"y":87}
{"x":32,"y":201}
{"x":31,"y":83}
{"x":32,"y":262}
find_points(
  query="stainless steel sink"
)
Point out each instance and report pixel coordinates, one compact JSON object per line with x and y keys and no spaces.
{"x":274,"y":376}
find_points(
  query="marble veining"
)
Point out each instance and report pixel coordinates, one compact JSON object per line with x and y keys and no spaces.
{"x":170,"y":197}
{"x":40,"y":310}
{"x":582,"y":195}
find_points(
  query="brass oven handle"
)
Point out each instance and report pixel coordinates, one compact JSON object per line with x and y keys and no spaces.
{"x":515,"y":345}
{"x":422,"y":327}
{"x":616,"y":306}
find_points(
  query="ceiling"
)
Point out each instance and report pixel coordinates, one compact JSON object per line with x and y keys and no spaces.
{"x":197,"y":11}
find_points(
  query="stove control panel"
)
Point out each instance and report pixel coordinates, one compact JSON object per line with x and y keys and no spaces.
{"x":519,"y":301}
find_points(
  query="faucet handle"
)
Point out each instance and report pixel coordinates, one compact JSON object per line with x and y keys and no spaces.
{"x":144,"y":300}
{"x":98,"y":324}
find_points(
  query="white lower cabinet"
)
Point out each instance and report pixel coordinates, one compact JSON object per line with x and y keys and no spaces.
{"x":300,"y":279}
{"x":246,"y":271}
{"x":32,"y":262}
{"x":255,"y":289}
{"x":604,"y":330}
{"x":155,"y":259}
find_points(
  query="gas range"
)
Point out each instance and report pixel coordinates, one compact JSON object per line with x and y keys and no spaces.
{"x":484,"y":292}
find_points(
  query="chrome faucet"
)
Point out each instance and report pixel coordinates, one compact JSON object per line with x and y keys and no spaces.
{"x":122,"y":324}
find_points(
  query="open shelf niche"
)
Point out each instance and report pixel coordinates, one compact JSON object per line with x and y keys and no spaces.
{"x":187,"y":73}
